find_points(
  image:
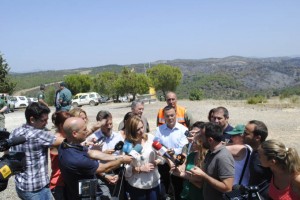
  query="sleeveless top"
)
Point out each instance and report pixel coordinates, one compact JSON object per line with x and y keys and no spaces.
{"x":284,"y":194}
{"x":56,"y":178}
{"x":239,"y":166}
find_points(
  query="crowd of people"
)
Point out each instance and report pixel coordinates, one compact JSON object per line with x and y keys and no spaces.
{"x":181,"y":159}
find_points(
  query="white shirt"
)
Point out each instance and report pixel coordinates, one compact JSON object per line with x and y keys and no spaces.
{"x":172,"y":138}
{"x":144,"y":180}
{"x":108,"y":142}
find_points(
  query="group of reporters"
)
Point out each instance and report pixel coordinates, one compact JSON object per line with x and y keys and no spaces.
{"x":148,"y":166}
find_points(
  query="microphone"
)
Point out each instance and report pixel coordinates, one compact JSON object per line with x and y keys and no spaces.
{"x":127,"y":147}
{"x":119,"y":146}
{"x":161,"y":150}
{"x":136,"y":151}
{"x":6,"y":144}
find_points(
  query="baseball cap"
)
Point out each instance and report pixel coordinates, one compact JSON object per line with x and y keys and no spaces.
{"x":238,"y":129}
{"x":63,"y":84}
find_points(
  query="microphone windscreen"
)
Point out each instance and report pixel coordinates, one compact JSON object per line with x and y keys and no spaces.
{"x":127,"y":147}
{"x":119,"y":146}
{"x":16,"y":140}
{"x":156,"y":145}
{"x":138,"y":148}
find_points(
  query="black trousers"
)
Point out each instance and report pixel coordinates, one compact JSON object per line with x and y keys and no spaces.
{"x":173,"y":185}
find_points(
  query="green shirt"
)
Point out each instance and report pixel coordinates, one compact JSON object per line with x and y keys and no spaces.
{"x":41,"y":95}
{"x":65,"y":96}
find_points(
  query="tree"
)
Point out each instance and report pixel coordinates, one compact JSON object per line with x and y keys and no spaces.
{"x":129,"y":82}
{"x":7,"y":85}
{"x":78,"y":83}
{"x":104,"y":83}
{"x":165,"y":77}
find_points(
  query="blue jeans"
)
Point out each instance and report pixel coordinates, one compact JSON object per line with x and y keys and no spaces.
{"x":143,"y":194}
{"x":42,"y":194}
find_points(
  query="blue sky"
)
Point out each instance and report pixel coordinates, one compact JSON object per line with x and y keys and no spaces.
{"x":56,"y":34}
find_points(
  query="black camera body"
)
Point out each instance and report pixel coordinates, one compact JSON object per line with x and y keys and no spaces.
{"x":13,"y":162}
{"x":243,"y":193}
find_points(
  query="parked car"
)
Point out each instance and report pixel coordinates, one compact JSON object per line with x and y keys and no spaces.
{"x":104,"y":99}
{"x":10,"y":104}
{"x":20,"y":101}
{"x":91,"y":98}
{"x":32,"y":99}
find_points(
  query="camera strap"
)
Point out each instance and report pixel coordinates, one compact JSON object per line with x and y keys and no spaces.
{"x":245,"y":165}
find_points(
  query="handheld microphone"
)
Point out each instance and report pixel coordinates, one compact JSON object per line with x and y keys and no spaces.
{"x":161,"y":150}
{"x":127,"y":147}
{"x":6,"y":144}
{"x":136,"y":151}
{"x":119,"y":146}
{"x":180,"y":159}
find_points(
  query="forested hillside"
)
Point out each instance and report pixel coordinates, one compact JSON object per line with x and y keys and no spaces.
{"x":229,"y":77}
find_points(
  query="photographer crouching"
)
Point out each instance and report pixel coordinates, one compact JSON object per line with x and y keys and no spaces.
{"x":79,"y":164}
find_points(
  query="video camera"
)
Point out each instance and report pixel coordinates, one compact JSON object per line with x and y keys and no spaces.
{"x":13,"y":162}
{"x":241,"y":192}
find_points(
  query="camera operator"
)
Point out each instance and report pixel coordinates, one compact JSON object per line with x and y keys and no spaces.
{"x":77,"y":162}
{"x":33,"y":183}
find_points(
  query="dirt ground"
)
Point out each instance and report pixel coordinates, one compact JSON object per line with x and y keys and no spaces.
{"x":281,"y":117}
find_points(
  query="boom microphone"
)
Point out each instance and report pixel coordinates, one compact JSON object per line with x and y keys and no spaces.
{"x":6,"y":144}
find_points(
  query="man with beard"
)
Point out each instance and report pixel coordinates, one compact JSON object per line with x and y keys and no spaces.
{"x":256,"y":133}
{"x":221,"y":117}
{"x":218,"y":173}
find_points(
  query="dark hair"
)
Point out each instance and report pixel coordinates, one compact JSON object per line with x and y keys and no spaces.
{"x":103,"y":114}
{"x":168,"y":108}
{"x":223,"y":109}
{"x":210,"y":113}
{"x":198,"y":124}
{"x":260,"y":129}
{"x":214,"y":131}
{"x":35,"y":110}
{"x":42,"y":87}
{"x":59,"y":118}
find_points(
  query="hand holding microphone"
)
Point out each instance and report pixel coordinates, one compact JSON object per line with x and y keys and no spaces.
{"x":163,"y":151}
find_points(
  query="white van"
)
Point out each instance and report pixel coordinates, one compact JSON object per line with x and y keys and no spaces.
{"x":91,"y":98}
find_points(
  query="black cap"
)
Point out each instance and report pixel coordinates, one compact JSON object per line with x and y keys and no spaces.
{"x":42,"y":87}
{"x":63,"y":84}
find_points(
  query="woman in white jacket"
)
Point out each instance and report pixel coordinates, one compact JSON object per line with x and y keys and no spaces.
{"x":142,"y":174}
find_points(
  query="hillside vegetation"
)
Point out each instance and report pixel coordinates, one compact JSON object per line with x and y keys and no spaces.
{"x":219,"y":78}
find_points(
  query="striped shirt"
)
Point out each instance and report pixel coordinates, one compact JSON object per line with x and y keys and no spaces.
{"x":35,"y":177}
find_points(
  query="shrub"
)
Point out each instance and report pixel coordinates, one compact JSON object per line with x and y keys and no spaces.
{"x":257,"y":99}
{"x":196,"y":95}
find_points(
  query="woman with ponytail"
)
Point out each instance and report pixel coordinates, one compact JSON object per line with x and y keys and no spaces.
{"x":285,"y":164}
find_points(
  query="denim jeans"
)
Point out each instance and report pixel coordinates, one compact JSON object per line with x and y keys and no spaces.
{"x":42,"y":194}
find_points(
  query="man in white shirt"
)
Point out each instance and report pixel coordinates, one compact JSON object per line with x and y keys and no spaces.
{"x":171,"y":135}
{"x":107,"y":140}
